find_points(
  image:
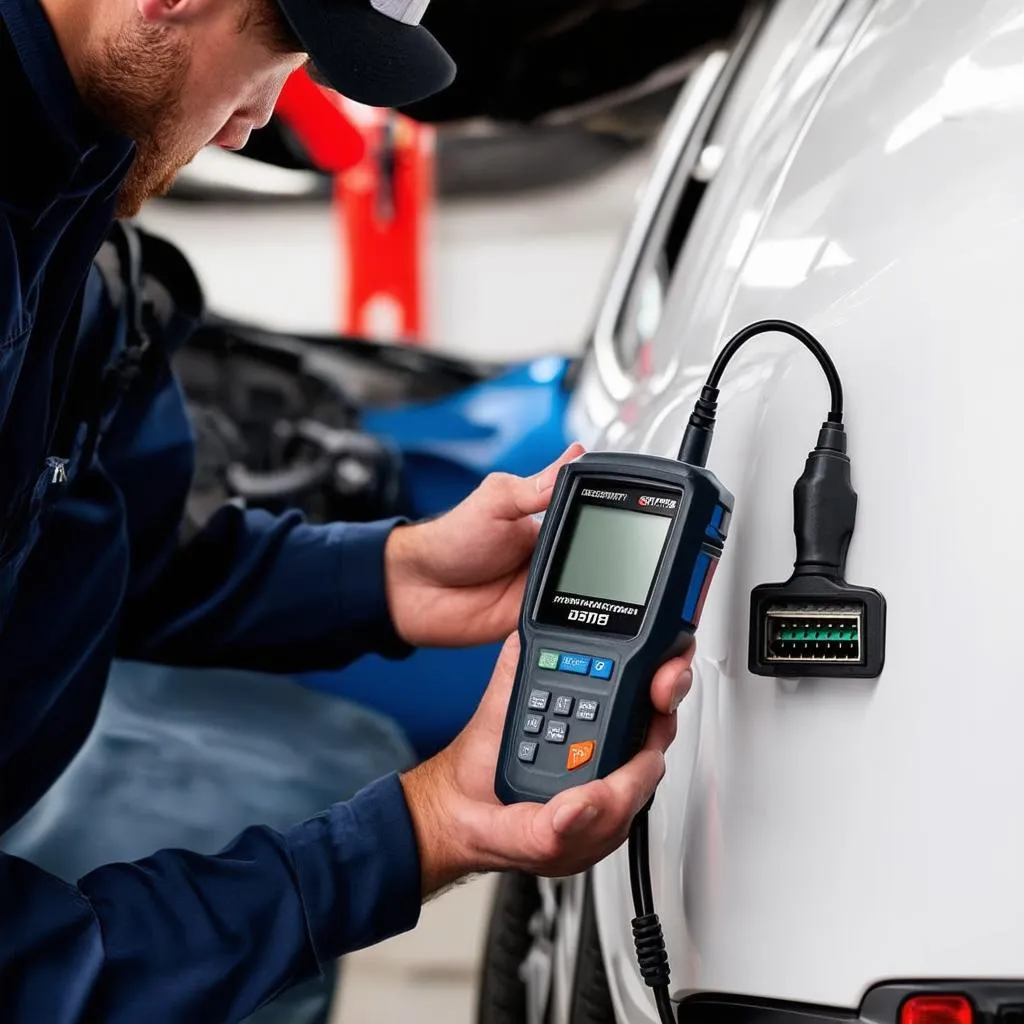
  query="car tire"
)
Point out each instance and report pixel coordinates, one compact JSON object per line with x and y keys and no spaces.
{"x":502,"y":997}
{"x":591,"y":998}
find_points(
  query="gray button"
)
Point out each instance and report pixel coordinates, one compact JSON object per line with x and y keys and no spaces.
{"x":556,"y":732}
{"x":586,"y":710}
{"x":563,"y":706}
{"x":538,"y":700}
{"x":533,"y":724}
{"x":527,"y":752}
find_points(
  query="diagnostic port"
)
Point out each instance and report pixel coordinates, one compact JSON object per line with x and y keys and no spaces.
{"x":816,"y":626}
{"x":800,"y":634}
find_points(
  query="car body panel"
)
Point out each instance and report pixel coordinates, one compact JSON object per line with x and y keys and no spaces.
{"x":812,"y":839}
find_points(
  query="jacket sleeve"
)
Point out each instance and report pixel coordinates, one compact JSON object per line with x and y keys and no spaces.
{"x":250,"y":590}
{"x":183,"y":937}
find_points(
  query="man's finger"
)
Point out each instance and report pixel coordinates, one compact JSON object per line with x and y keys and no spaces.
{"x":499,"y":690}
{"x":608,"y":803}
{"x":525,"y":496}
{"x":671,"y":684}
{"x":633,"y":783}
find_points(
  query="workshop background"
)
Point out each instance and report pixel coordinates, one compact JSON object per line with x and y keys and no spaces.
{"x":481,"y":225}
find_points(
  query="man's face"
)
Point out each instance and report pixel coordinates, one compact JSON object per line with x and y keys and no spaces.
{"x":178,"y":75}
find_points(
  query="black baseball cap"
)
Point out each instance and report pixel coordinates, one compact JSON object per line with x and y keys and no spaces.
{"x":372,"y":51}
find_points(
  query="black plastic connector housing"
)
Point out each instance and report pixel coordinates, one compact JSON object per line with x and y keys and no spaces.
{"x":802,"y":628}
{"x":817,"y":624}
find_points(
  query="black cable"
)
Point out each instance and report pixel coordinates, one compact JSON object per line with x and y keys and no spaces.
{"x":794,"y":331}
{"x":697,"y":437}
{"x":647,"y":933}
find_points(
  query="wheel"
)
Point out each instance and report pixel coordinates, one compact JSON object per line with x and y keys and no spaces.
{"x":591,"y":1001}
{"x":503,"y":993}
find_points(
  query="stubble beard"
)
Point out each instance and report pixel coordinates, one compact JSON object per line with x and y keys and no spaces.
{"x":135,"y":87}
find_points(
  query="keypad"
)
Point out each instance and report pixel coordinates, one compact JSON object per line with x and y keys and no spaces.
{"x":553,"y":716}
{"x":528,"y":751}
{"x":557,"y":731}
{"x":539,"y":700}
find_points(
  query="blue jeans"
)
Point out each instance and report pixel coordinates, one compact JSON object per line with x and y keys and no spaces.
{"x":188,"y":758}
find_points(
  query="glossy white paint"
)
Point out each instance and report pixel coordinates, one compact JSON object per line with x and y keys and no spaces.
{"x":810,"y":840}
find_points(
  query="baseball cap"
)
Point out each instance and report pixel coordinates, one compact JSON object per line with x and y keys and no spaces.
{"x":372,"y":51}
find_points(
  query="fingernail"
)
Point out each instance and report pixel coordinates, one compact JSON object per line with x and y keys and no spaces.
{"x":682,"y":688}
{"x":574,"y":818}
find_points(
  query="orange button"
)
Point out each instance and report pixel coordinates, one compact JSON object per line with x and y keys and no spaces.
{"x":579,"y":754}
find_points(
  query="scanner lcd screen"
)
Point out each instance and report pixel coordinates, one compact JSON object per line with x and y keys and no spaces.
{"x":613,"y":554}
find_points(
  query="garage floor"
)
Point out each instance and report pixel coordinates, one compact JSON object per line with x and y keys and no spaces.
{"x":509,"y":279}
{"x":432,"y":970}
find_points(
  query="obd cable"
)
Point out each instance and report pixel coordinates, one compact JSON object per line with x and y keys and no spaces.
{"x":814,"y":624}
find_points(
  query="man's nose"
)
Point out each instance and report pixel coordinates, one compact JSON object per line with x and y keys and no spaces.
{"x":234,"y":135}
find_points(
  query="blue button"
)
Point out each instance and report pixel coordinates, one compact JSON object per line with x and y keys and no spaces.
{"x":575,"y":663}
{"x":601,"y":668}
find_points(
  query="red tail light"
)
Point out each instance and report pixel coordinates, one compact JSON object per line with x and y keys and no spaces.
{"x":937,"y":1009}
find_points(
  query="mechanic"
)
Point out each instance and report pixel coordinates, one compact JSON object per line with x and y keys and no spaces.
{"x":103,"y":102}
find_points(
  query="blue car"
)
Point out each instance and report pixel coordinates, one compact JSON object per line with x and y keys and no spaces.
{"x":348,"y":429}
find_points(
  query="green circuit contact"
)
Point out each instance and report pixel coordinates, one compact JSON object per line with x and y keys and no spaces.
{"x":818,"y":634}
{"x":812,"y":634}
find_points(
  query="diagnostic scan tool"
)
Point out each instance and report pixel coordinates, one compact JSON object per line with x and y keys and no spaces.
{"x":625,"y":556}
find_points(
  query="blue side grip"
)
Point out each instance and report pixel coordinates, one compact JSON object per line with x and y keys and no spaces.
{"x":700,"y":571}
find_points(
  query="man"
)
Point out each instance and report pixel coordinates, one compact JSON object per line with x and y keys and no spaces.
{"x":103,"y":101}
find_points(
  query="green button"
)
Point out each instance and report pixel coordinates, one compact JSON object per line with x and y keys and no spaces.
{"x":548,"y":659}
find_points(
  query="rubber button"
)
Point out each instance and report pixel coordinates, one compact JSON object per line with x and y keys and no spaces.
{"x":533,"y":724}
{"x":586,"y":710}
{"x":556,"y":732}
{"x":580,"y":754}
{"x":538,"y":700}
{"x":578,"y":664}
{"x":548,"y":660}
{"x":527,"y":752}
{"x":563,"y":706}
{"x":601,"y":668}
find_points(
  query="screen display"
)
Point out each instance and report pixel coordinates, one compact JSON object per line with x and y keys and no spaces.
{"x":613,"y":554}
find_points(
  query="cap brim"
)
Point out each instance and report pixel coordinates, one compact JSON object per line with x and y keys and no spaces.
{"x":367,"y":56}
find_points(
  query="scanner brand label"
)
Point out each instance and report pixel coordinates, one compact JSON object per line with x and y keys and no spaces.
{"x":646,"y":501}
{"x":588,"y":492}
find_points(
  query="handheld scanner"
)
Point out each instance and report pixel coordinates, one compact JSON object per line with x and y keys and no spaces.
{"x":624,"y":559}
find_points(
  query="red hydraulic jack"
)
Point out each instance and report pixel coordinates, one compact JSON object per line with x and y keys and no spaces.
{"x":383,"y":168}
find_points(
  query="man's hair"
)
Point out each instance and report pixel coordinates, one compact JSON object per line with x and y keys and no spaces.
{"x":269,"y":21}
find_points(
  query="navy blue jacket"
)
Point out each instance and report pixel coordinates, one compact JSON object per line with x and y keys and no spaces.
{"x":91,"y":567}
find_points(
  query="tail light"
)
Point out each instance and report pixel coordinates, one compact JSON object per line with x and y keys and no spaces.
{"x":937,"y":1009}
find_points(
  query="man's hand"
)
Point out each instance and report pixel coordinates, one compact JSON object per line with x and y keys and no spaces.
{"x":458,"y":580}
{"x":461,"y":827}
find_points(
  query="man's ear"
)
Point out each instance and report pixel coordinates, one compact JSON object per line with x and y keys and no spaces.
{"x":168,"y":12}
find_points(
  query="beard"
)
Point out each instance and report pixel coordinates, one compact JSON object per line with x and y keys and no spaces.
{"x":135,"y":87}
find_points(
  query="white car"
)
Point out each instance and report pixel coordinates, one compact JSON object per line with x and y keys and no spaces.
{"x":825,"y":850}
